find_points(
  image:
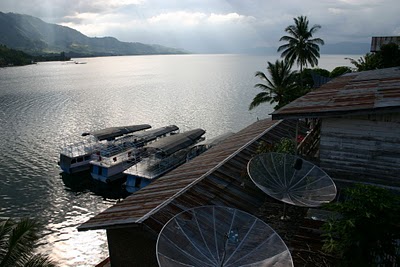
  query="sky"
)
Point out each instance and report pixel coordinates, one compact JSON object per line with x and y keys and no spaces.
{"x":210,"y":26}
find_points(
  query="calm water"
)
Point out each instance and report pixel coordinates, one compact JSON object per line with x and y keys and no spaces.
{"x":43,"y":105}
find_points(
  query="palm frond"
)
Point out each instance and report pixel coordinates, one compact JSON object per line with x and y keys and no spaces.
{"x":18,"y":242}
{"x":259,"y":99}
{"x":39,"y":260}
{"x":280,"y":81}
{"x":5,"y":230}
{"x":300,"y":47}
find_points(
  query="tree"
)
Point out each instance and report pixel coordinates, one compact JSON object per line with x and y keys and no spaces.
{"x":390,"y":55}
{"x":367,"y":62}
{"x":387,"y":57}
{"x":366,"y":230}
{"x":280,"y":88}
{"x":338,"y":71}
{"x":17,"y":242}
{"x":301,"y":47}
{"x":308,"y":80}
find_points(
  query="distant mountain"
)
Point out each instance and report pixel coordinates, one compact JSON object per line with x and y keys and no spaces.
{"x":34,"y":36}
{"x":346,"y":48}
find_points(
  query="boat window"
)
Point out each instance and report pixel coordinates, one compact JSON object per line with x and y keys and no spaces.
{"x":137,"y":182}
{"x":73,"y":161}
{"x":80,"y":159}
{"x":100,"y":171}
{"x":87,"y":157}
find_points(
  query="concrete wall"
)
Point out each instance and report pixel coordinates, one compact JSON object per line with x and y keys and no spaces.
{"x":131,"y":247}
{"x":362,"y":148}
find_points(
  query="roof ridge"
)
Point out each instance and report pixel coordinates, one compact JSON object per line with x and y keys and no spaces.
{"x":180,"y":192}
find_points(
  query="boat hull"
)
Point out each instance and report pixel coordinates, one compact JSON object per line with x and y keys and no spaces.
{"x":109,"y":174}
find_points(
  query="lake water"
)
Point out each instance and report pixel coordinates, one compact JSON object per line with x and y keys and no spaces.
{"x":43,"y":105}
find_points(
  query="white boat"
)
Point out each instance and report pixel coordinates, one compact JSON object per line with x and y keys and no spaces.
{"x":108,"y":164}
{"x":169,"y":155}
{"x":75,"y":157}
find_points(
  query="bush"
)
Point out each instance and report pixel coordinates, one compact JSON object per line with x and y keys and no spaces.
{"x":367,"y":230}
{"x":285,"y":145}
{"x":338,"y":71}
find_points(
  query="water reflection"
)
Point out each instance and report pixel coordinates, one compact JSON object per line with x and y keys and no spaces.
{"x":83,"y":183}
{"x":43,"y":104}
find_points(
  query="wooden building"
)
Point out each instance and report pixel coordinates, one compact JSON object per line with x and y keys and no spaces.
{"x":216,"y":177}
{"x":360,"y":125}
{"x":377,"y":42}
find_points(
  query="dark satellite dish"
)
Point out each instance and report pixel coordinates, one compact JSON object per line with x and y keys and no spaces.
{"x":220,"y":236}
{"x":291,"y":179}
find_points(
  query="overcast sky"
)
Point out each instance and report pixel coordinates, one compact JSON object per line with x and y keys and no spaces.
{"x":215,"y":25}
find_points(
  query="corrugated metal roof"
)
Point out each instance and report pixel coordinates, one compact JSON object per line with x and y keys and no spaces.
{"x":353,"y":93}
{"x":113,"y":132}
{"x":215,"y":177}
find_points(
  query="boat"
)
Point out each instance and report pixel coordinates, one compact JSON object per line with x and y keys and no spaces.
{"x":167,"y":155}
{"x":75,"y":157}
{"x":108,"y":164}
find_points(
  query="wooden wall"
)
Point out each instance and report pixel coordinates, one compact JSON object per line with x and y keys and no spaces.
{"x":362,"y":148}
{"x":132,"y":247}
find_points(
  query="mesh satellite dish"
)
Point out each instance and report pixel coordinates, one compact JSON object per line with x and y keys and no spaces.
{"x":290,"y":179}
{"x":220,"y":236}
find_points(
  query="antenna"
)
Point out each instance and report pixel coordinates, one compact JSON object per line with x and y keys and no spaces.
{"x":291,"y":179}
{"x":220,"y":236}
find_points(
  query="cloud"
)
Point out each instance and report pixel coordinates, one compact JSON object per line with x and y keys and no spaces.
{"x":197,"y":18}
{"x":210,"y":25}
{"x":178,"y":18}
{"x":231,"y":17}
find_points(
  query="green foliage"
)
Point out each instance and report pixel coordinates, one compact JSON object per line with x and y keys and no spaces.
{"x":367,"y":228}
{"x":390,"y":55}
{"x":285,"y":145}
{"x":338,"y":71}
{"x":387,"y":57}
{"x":300,"y":45}
{"x":280,"y":88}
{"x":307,"y":80}
{"x":367,"y":62}
{"x":11,"y":57}
{"x":17,"y":242}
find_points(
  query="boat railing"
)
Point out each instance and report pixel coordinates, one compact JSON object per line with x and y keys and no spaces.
{"x":153,"y":167}
{"x":84,"y":147}
{"x":116,"y":148}
{"x":127,"y":156}
{"x":128,"y":150}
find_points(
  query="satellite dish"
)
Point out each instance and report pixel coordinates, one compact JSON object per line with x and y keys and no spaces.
{"x":220,"y":236}
{"x":291,"y":179}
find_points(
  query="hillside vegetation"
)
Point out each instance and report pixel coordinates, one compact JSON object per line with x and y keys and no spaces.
{"x":11,"y":57}
{"x":36,"y":37}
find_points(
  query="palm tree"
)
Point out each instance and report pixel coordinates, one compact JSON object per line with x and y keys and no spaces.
{"x":301,"y":47}
{"x":17,"y":242}
{"x":279,"y":88}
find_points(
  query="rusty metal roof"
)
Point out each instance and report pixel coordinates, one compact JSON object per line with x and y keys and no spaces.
{"x":217,"y":177}
{"x":351,"y":94}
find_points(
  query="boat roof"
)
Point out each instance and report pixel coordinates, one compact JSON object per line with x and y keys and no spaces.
{"x":113,"y":132}
{"x":213,"y":178}
{"x":154,"y":133}
{"x":173,"y":143}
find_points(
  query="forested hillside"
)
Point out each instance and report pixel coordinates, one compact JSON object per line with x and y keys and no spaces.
{"x":36,"y":37}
